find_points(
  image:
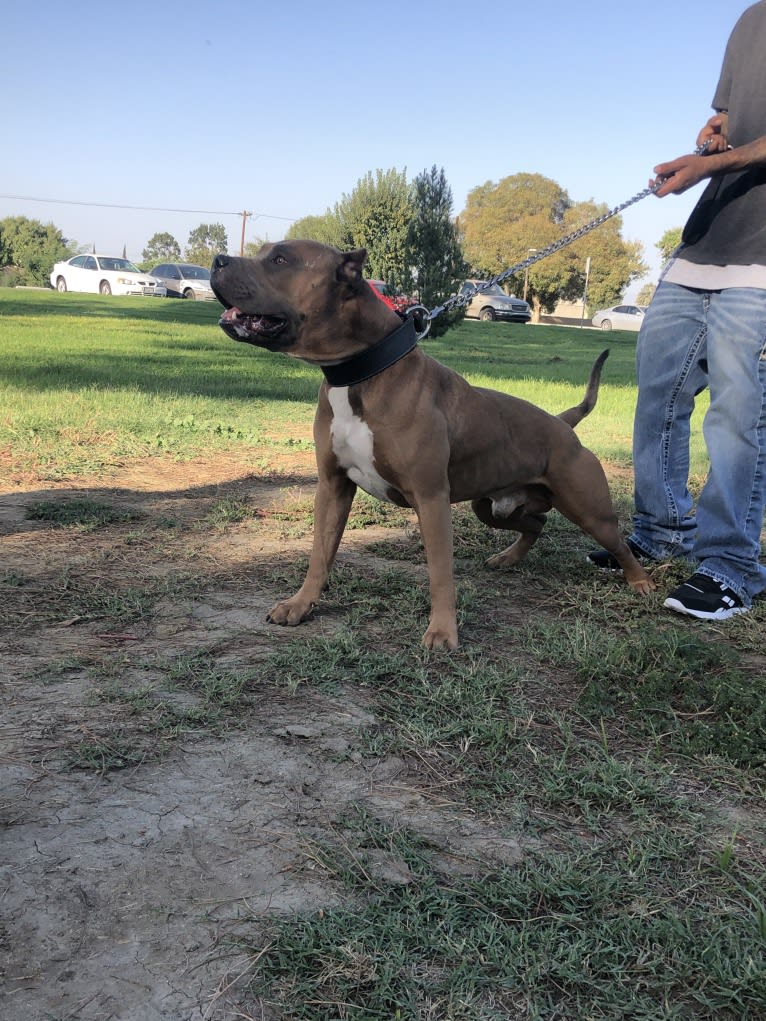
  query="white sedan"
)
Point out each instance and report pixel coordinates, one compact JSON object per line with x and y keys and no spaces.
{"x":104,"y":274}
{"x":619,"y":317}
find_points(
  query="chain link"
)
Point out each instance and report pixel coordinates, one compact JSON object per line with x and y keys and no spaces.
{"x":459,"y":300}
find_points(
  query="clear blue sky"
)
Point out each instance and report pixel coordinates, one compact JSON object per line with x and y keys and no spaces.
{"x":281,"y":107}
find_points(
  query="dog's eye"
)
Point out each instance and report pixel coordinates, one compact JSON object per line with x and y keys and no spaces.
{"x":279,"y":260}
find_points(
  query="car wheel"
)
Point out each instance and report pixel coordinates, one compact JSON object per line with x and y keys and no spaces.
{"x":61,"y":285}
{"x":104,"y":288}
{"x":487,"y":315}
{"x":189,"y":293}
{"x":606,"y":324}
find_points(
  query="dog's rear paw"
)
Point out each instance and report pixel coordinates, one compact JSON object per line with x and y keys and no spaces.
{"x":643,"y":586}
{"x":504,"y":559}
{"x":290,"y":612}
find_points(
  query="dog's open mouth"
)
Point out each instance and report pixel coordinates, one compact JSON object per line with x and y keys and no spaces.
{"x":253,"y":328}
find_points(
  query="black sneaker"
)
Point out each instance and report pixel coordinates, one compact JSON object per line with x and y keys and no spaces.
{"x":604,"y":560}
{"x":706,"y":598}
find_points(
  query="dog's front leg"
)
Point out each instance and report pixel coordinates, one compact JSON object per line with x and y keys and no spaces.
{"x":331,"y":509}
{"x":435,"y":517}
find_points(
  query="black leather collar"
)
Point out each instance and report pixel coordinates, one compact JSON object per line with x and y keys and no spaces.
{"x":375,"y":359}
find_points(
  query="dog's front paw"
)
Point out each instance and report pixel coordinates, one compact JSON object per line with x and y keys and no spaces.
{"x":290,"y":612}
{"x":439,"y":637}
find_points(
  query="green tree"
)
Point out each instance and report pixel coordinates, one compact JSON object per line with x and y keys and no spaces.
{"x":503,"y":222}
{"x":206,"y":241}
{"x":252,"y":247}
{"x":615,"y":263}
{"x":161,"y":248}
{"x":327,"y":229}
{"x":645,"y":295}
{"x":376,"y":216}
{"x":434,"y":254}
{"x":669,"y":241}
{"x":29,"y":248}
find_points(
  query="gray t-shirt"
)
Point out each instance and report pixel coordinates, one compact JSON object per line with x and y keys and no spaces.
{"x":728,"y":224}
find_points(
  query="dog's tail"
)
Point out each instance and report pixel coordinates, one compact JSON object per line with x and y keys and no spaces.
{"x":574,"y":415}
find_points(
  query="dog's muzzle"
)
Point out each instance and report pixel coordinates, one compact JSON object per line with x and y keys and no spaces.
{"x":252,"y":329}
{"x":249,"y":327}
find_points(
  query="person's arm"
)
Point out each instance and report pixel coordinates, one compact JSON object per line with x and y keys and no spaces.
{"x":686,"y":171}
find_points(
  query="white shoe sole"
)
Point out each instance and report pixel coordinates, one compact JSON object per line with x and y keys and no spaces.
{"x":678,"y":606}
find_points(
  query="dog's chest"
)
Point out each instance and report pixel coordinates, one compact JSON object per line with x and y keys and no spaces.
{"x":352,"y":444}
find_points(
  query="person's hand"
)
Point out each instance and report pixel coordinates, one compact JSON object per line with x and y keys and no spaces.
{"x":715,"y":133}
{"x":678,"y":175}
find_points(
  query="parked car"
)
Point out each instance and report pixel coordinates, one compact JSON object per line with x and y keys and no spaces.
{"x":185,"y":280}
{"x":386,"y":293}
{"x":494,"y":303}
{"x":619,"y":317}
{"x":104,"y":274}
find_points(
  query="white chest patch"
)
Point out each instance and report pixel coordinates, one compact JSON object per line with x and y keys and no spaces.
{"x":352,"y":445}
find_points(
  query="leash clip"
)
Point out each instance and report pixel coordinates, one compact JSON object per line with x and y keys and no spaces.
{"x":421,"y":319}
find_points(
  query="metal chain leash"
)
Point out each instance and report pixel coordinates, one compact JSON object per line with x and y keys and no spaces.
{"x":458,"y":300}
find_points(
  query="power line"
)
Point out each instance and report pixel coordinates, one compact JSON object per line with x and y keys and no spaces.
{"x":148,"y":209}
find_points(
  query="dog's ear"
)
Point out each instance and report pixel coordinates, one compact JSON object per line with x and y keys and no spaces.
{"x":350,"y":268}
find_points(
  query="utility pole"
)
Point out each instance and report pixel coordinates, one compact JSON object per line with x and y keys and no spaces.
{"x":530,"y":251}
{"x":244,"y":214}
{"x":585,"y":291}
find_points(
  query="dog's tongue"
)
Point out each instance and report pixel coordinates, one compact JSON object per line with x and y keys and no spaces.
{"x":244,"y":325}
{"x":240,"y":319}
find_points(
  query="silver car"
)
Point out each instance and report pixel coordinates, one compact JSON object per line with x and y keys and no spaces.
{"x":619,"y":317}
{"x":185,"y":280}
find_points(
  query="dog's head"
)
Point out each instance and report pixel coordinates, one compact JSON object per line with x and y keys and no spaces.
{"x":302,"y":298}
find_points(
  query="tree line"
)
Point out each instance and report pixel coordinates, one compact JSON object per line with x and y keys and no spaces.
{"x":29,"y":248}
{"x":204,"y":242}
{"x":413,"y":239}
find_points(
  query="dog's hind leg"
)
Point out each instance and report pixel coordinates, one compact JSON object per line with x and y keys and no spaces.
{"x":523,"y":520}
{"x":584,"y":498}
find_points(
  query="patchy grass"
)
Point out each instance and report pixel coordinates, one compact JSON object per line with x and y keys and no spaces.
{"x":85,"y":514}
{"x":624,"y":748}
{"x":602,"y":933}
{"x":643,"y":904}
{"x":669,"y":685}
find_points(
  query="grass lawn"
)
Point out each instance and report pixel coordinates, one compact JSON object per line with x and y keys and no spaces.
{"x":87,"y":381}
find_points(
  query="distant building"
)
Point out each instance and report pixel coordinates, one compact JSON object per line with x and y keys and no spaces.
{"x":567,"y":313}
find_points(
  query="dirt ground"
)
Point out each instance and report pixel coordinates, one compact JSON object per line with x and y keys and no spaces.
{"x":122,"y":892}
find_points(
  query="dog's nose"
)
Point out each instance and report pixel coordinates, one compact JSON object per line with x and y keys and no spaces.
{"x":220,"y":261}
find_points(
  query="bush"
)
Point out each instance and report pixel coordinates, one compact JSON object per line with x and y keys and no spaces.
{"x":10,"y":276}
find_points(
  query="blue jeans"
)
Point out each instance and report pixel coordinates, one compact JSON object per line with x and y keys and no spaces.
{"x":692,"y":339}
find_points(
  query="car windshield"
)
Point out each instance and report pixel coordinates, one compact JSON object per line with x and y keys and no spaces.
{"x":115,"y":265}
{"x":195,"y":272}
{"x":495,"y":289}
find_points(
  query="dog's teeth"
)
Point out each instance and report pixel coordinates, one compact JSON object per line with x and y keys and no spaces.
{"x":234,"y":314}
